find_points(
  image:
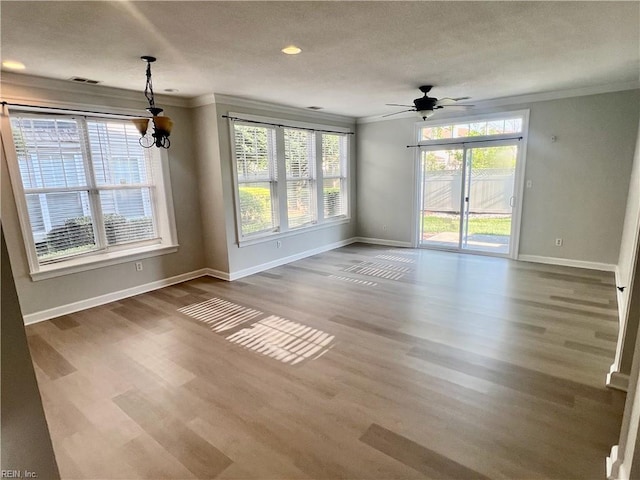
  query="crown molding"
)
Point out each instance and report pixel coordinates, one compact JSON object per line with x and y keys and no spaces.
{"x":529,"y":98}
{"x":79,"y":107}
{"x":559,"y":94}
{"x":219,"y":98}
{"x":93,"y":90}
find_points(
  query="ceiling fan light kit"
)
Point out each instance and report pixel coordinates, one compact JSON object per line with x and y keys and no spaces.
{"x":161,"y":124}
{"x":425,"y":106}
{"x":425,"y":113}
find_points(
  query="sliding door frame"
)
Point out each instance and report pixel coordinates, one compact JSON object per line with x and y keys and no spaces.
{"x":466,"y":143}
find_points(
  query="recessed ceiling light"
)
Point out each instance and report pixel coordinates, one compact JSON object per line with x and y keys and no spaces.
{"x":13,"y":65}
{"x":291,"y":50}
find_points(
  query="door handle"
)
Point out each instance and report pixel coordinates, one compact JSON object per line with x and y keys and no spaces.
{"x":512,"y":201}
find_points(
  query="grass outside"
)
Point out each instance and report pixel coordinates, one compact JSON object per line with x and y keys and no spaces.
{"x":477,"y":225}
{"x":66,"y":252}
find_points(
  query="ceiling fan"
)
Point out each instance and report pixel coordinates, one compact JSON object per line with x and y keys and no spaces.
{"x":426,"y":105}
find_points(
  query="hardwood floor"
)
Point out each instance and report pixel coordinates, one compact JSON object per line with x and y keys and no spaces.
{"x":362,"y":362}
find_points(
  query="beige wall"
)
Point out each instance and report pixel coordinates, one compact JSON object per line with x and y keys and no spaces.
{"x":46,"y":294}
{"x":579,"y":183}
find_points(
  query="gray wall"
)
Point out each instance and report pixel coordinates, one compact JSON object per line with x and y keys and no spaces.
{"x":251,"y":256}
{"x":26,"y":444}
{"x":579,"y":183}
{"x":386,"y":180}
{"x":210,"y":184}
{"x":46,"y":294}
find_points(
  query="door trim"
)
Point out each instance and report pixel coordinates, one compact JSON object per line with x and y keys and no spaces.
{"x":497,"y":140}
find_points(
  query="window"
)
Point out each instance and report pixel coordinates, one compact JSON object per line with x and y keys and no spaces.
{"x":299,"y":154}
{"x":287,"y":178}
{"x":256,"y":173}
{"x":499,"y":126}
{"x":88,"y":189}
{"x":334,"y":174}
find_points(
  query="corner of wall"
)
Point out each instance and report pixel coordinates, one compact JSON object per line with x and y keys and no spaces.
{"x":207,"y":146}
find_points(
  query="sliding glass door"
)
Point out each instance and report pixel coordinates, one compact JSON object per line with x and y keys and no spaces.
{"x":489,"y":198}
{"x":467,"y":196}
{"x":441,"y":206}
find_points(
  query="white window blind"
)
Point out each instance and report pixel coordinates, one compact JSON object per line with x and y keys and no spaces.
{"x":88,"y":184}
{"x":256,"y":164}
{"x":334,"y":174}
{"x":124,"y":180}
{"x":299,"y":154}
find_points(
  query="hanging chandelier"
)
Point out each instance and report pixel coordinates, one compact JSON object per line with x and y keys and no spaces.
{"x":161,"y":124}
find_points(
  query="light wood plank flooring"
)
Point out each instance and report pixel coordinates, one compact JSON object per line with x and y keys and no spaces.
{"x":363,"y":362}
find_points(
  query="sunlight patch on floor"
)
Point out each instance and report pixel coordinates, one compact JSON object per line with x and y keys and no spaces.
{"x":284,"y":340}
{"x":395,"y":258}
{"x":220,"y":314}
{"x":354,"y":280}
{"x":381,"y":270}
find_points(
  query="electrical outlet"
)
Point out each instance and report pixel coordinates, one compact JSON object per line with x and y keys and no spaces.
{"x":529,"y":184}
{"x":558,"y":242}
{"x":278,"y":243}
{"x":138,"y":266}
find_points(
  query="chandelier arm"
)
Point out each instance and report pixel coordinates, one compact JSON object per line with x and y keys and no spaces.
{"x":144,"y":142}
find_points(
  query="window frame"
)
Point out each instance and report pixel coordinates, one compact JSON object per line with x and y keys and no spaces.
{"x":165,"y":238}
{"x":342,"y":177}
{"x":274,"y":192}
{"x":310,"y":178}
{"x":453,"y":120}
{"x":283,"y":230}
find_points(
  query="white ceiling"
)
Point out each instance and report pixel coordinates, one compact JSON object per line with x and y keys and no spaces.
{"x":357,"y":56}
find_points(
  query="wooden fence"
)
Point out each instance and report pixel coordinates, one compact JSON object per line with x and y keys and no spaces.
{"x":491,"y":191}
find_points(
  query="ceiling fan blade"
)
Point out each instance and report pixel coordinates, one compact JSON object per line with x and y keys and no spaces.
{"x":396,"y":113}
{"x":397,"y":105}
{"x":449,"y":101}
{"x":455,"y":105}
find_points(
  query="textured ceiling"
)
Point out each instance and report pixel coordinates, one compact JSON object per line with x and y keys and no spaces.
{"x":356,"y":56}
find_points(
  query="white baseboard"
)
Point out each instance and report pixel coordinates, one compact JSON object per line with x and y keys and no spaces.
{"x":615,"y":467}
{"x":382,"y":241}
{"x":618,"y":381}
{"x":110,"y":297}
{"x":620,"y":296}
{"x":292,"y":258}
{"x":610,"y":460}
{"x":217,"y":274}
{"x":568,"y":262}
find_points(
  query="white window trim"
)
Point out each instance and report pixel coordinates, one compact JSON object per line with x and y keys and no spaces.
{"x":283,"y":231}
{"x":167,"y":231}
